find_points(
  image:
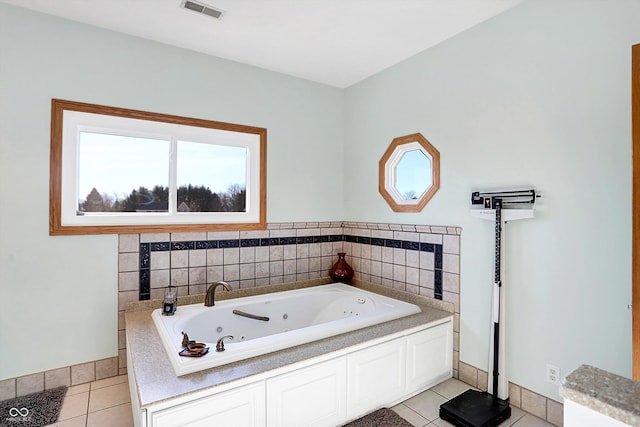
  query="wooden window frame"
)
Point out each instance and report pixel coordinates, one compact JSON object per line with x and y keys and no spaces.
{"x":384,"y":172}
{"x":56,"y":226}
{"x":635,"y":239}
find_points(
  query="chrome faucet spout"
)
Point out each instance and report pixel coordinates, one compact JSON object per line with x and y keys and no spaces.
{"x":209,"y":299}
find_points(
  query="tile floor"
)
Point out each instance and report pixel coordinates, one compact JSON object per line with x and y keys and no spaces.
{"x":106,"y":403}
{"x":422,"y":410}
{"x":103,"y":403}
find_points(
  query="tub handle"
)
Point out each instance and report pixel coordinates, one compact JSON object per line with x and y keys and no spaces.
{"x":220,"y":343}
{"x":250,"y":316}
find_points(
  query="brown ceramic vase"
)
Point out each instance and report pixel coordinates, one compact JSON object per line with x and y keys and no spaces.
{"x":341,"y":271}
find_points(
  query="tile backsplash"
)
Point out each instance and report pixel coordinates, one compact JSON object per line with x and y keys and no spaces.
{"x":420,"y":259}
{"x":423,"y":260}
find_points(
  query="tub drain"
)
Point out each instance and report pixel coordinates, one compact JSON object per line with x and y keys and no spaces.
{"x":285,"y":317}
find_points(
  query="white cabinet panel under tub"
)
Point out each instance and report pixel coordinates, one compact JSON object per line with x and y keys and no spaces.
{"x":326,"y":382}
{"x":429,"y":358}
{"x":328,"y":390}
{"x":239,"y":407}
{"x":376,"y":376}
{"x":314,"y":396}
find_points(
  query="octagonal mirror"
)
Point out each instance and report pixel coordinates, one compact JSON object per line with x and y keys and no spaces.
{"x":409,"y":173}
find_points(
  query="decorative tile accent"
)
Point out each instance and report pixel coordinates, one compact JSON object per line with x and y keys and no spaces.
{"x":404,"y":250}
{"x":413,"y":262}
{"x":406,"y":257}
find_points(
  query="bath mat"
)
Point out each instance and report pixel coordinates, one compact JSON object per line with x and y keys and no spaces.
{"x":384,"y":417}
{"x":33,"y":410}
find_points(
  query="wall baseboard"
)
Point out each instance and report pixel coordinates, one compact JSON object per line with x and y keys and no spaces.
{"x":66,"y":376}
{"x":520,"y":397}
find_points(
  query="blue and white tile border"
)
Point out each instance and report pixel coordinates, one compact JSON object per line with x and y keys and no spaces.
{"x":420,"y":259}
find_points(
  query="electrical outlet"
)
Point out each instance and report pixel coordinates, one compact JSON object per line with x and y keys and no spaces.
{"x":553,"y":374}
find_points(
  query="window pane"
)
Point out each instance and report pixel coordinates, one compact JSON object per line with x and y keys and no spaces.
{"x":211,"y":178}
{"x":122,"y":173}
{"x":413,"y":175}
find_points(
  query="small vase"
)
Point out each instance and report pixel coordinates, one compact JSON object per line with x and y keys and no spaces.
{"x":341,"y":271}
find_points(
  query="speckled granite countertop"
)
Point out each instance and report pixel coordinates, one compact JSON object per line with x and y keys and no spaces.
{"x":610,"y":394}
{"x":156,"y":380}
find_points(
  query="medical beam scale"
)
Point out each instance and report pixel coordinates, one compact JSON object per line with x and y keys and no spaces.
{"x":475,"y":408}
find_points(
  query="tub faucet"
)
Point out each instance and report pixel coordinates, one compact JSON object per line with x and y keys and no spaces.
{"x":209,"y":299}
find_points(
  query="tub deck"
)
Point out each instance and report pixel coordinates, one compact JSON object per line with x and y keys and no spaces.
{"x":155,"y":378}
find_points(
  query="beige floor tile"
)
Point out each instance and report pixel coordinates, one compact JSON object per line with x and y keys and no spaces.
{"x":120,"y":416}
{"x":451,"y":388}
{"x":107,"y":397}
{"x":516,"y":415}
{"x":426,"y":404}
{"x":74,"y":406}
{"x":73,"y":422}
{"x":410,"y":415}
{"x":106,"y":403}
{"x":77,"y":389}
{"x":108,"y":382}
{"x":531,"y":421}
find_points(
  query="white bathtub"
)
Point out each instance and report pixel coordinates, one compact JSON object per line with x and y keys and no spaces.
{"x":295,"y":317}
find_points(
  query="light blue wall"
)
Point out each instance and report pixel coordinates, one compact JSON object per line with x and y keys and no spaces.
{"x":536,"y":97}
{"x":58,"y":295}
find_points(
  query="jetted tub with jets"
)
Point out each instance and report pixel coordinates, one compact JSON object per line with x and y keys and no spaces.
{"x":294,"y":317}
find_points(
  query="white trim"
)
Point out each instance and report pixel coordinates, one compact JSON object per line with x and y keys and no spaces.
{"x":390,"y":167}
{"x":74,"y":122}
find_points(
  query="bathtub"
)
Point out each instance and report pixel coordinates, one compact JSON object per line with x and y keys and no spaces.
{"x":295,"y":317}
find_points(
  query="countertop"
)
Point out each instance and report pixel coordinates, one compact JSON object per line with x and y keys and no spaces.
{"x":156,"y":380}
{"x":610,"y":394}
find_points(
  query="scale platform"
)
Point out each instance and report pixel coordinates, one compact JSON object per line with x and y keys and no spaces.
{"x":475,"y":409}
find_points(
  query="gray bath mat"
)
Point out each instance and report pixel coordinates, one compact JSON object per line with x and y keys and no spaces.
{"x":32,"y":410}
{"x":381,"y":418}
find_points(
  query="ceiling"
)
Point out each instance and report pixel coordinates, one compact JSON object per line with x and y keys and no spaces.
{"x":334,"y":42}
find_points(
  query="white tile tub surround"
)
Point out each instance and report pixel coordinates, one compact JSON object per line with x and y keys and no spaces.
{"x":190,"y":270}
{"x":245,"y":267}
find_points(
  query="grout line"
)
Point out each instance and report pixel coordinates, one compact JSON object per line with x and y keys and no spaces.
{"x":86,"y":412}
{"x":416,"y":412}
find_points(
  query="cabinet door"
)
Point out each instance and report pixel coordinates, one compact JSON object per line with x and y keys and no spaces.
{"x":376,"y":377}
{"x":313,"y":396}
{"x":241,"y":407}
{"x":429,"y":356}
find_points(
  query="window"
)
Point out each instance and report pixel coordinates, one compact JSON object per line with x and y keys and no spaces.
{"x":120,"y":171}
{"x":409,"y":173}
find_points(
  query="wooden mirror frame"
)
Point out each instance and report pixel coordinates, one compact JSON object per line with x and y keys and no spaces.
{"x":635,"y":240}
{"x":397,"y":205}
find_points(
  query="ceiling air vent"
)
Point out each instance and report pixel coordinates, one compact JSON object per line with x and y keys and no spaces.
{"x":203,"y":8}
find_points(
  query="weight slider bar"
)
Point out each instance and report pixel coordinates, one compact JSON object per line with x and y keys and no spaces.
{"x":508,"y":198}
